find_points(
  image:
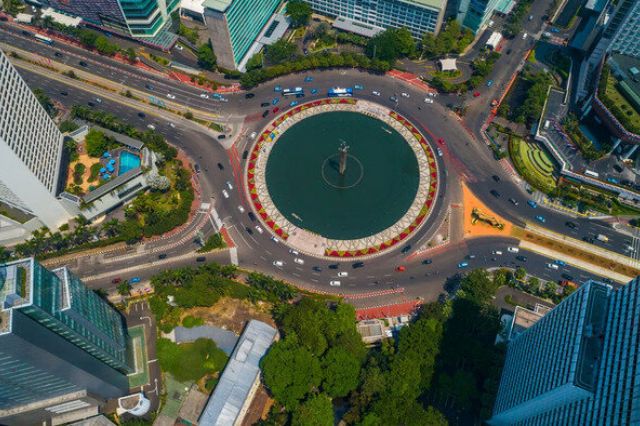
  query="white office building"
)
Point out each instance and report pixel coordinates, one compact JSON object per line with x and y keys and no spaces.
{"x":31,"y":149}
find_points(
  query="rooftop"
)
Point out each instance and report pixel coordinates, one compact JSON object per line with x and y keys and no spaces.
{"x":437,"y":4}
{"x":61,"y":18}
{"x":239,"y":376}
{"x":217,"y":5}
{"x":356,"y":27}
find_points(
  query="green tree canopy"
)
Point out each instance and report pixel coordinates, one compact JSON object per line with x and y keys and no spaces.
{"x":299,"y":12}
{"x":206,"y":58}
{"x":341,"y":371}
{"x":280,"y":51}
{"x":316,"y":411}
{"x":391,"y":44}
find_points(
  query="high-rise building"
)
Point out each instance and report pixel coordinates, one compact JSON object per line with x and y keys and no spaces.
{"x":475,"y":14}
{"x":147,"y":20}
{"x":625,"y":29}
{"x":418,"y":16}
{"x":31,"y":148}
{"x":62,"y":347}
{"x":578,"y":364}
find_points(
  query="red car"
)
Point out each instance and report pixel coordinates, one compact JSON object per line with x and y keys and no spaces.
{"x":476,"y":94}
{"x":116,"y":280}
{"x":276,"y":109}
{"x":401,"y":268}
{"x":441,"y":141}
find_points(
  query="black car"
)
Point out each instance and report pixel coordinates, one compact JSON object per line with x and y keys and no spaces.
{"x":317,"y":269}
{"x":220,"y":166}
{"x":265,"y":113}
{"x":496,"y":178}
{"x":249,"y":230}
{"x":617,"y":168}
{"x":162,"y":256}
{"x":427,"y":262}
{"x":252,"y":216}
{"x":141,"y":115}
{"x":265,"y":105}
{"x":571,"y":225}
{"x":201,"y":259}
{"x":406,"y":249}
{"x":58,"y":54}
{"x":357,"y":265}
{"x":588,"y":239}
{"x":508,"y":51}
{"x":521,"y":258}
{"x":249,"y":95}
{"x":149,"y":86}
{"x":91,"y":104}
{"x":220,"y":137}
{"x":27,"y":33}
{"x":334,"y":266}
{"x":245,"y":154}
{"x":495,"y":193}
{"x":64,"y":93}
{"x":567,"y":277}
{"x":83,"y":64}
{"x":196,"y":168}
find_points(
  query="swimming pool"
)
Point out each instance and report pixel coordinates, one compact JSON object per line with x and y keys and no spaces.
{"x":128,"y":161}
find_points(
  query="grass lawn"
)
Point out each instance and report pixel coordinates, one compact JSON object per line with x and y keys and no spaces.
{"x":447,"y":75}
{"x":620,"y":101}
{"x":190,"y":361}
{"x":533,"y":164}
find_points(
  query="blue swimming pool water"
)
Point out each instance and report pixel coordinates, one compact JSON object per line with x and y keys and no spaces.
{"x":128,"y":161}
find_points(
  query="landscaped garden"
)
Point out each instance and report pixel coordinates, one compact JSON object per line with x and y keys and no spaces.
{"x":533,"y":164}
{"x":617,"y":104}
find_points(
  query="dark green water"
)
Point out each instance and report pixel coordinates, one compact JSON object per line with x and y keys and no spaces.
{"x":377,"y":189}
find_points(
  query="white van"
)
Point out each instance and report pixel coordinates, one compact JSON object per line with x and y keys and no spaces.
{"x":513,"y":249}
{"x":547,"y":123}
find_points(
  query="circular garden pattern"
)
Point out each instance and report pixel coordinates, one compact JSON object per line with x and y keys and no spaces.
{"x":385,"y":193}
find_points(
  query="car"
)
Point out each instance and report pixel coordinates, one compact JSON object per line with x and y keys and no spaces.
{"x":275,"y":101}
{"x":405,"y":95}
{"x":343,"y":274}
{"x":277,"y":89}
{"x":253,"y":135}
{"x":308,"y":79}
{"x":571,"y":225}
{"x":358,"y":87}
{"x":533,"y":204}
{"x":428,"y":100}
{"x":334,"y":283}
{"x":441,"y":141}
{"x":220,"y":166}
{"x":83,"y":64}
{"x":508,"y":52}
{"x":400,"y":268}
{"x":314,"y":91}
{"x":141,"y":115}
{"x":521,"y":258}
{"x":496,"y":178}
{"x":463,"y":265}
{"x":489,"y":83}
{"x":357,"y":265}
{"x":265,"y":113}
{"x":513,"y":201}
{"x":613,"y":180}
{"x":217,"y":96}
{"x":439,"y":151}
{"x":294,"y":252}
{"x":91,"y":104}
{"x":265,"y":105}
{"x":58,"y":54}
{"x":553,"y":266}
{"x":179,"y":47}
{"x":531,"y":17}
{"x":334,"y":266}
{"x":249,"y":230}
{"x":241,"y":209}
{"x":276,"y":109}
{"x":274,"y":239}
{"x":541,"y":219}
{"x":317,"y":269}
{"x":513,"y":249}
{"x":116,"y":280}
{"x":148,"y":86}
{"x":427,"y":262}
{"x":220,"y":137}
{"x":151,"y":127}
{"x":476,"y":94}
{"x":588,"y":239}
{"x":495,"y":193}
{"x":173,"y":126}
{"x":249,"y":95}
{"x":406,"y":249}
{"x":278,"y":263}
{"x":554,"y":30}
{"x":496,"y":252}
{"x":524,"y":36}
{"x":259,"y":229}
{"x":393,"y":99}
{"x":170,"y":96}
{"x":245,"y":154}
{"x":162,"y":256}
{"x":196,"y":168}
{"x":204,"y":96}
{"x":298,"y":261}
{"x":560,"y":262}
{"x":293,"y":103}
{"x":225,"y":193}
{"x":134,"y":280}
{"x":64,"y":93}
{"x":228,"y":183}
{"x":471,"y":256}
{"x":375,"y":93}
{"x":252,"y":217}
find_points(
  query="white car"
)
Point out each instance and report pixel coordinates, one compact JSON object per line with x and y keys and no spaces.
{"x":173,"y":126}
{"x":278,"y":263}
{"x":253,"y":135}
{"x":553,"y":266}
{"x":405,"y":95}
{"x":294,"y":252}
{"x":334,"y":283}
{"x":375,"y":93}
{"x":170,"y":96}
{"x":98,"y":100}
{"x":298,"y":261}
{"x":241,"y":209}
{"x":259,"y":229}
{"x":498,"y":252}
{"x":428,"y":100}
{"x":343,"y":274}
{"x":151,"y":126}
{"x":524,"y":36}
{"x":204,"y":96}
{"x":439,"y":152}
{"x":179,"y":47}
{"x":225,"y":193}
{"x":513,"y":249}
{"x":275,"y":240}
{"x":229,"y":186}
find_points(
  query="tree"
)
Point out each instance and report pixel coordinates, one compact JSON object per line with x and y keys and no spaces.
{"x":391,"y":44}
{"x":68,"y":126}
{"x":299,"y":12}
{"x":316,"y":411}
{"x":520,"y":273}
{"x":280,"y":51}
{"x":341,"y":371}
{"x":255,"y":61}
{"x":124,"y":288}
{"x":104,"y":46}
{"x":96,"y":143}
{"x":5,"y":254}
{"x":45,"y":101}
{"x":158,"y":182}
{"x":206,"y":58}
{"x":131,"y":54}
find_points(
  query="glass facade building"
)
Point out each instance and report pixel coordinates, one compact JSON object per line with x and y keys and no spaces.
{"x":57,"y":336}
{"x":418,"y":16}
{"x":626,"y":25}
{"x":578,"y":365}
{"x":475,"y":14}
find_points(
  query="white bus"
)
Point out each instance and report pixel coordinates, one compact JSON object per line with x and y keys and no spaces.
{"x":43,"y":39}
{"x":591,"y":173}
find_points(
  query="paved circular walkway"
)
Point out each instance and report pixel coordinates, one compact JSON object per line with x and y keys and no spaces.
{"x":316,"y":245}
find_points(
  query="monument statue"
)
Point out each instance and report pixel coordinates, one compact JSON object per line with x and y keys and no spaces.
{"x":343,"y":157}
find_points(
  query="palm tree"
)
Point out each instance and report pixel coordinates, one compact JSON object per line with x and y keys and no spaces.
{"x":111,"y":228}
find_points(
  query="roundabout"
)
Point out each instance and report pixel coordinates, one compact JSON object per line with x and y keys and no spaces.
{"x":342,"y":178}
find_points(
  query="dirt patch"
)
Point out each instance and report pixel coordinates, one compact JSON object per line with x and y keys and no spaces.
{"x":232,"y":314}
{"x":481,"y":229}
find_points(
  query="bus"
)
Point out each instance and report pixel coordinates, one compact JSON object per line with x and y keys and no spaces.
{"x":298,"y":92}
{"x":591,"y":173}
{"x":43,"y":39}
{"x":340,"y":92}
